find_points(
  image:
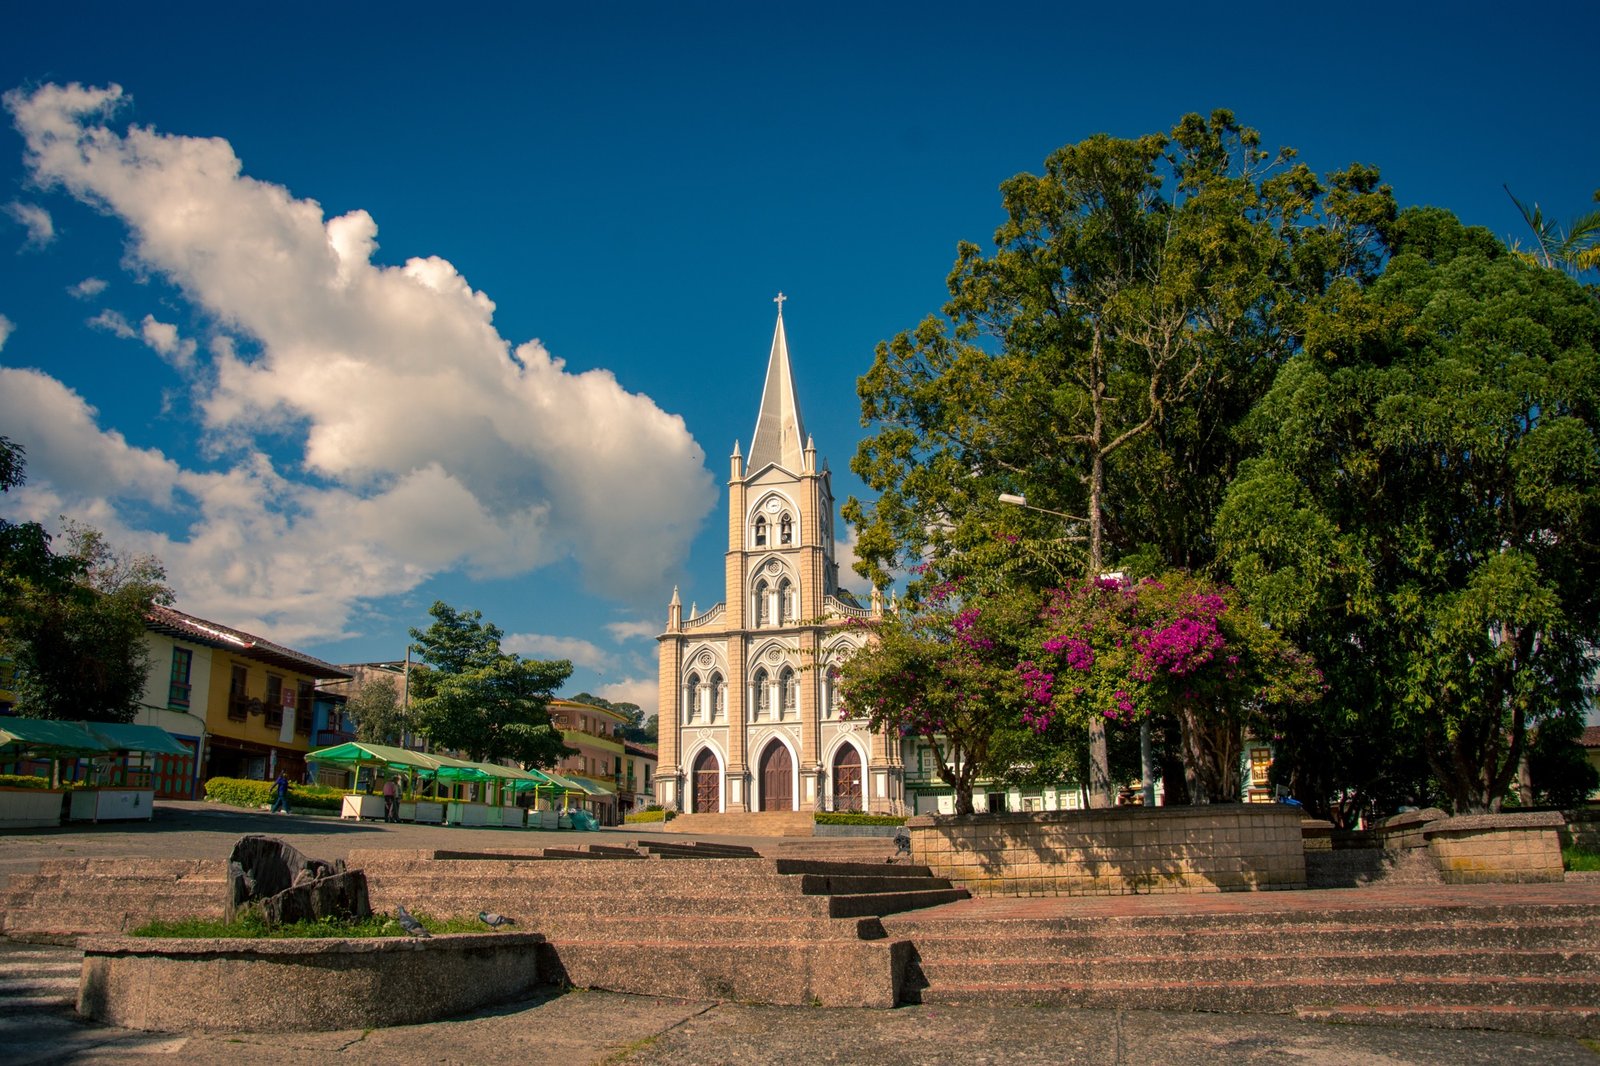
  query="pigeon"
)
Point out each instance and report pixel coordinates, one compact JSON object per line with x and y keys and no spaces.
{"x":408,"y":923}
{"x":493,"y":920}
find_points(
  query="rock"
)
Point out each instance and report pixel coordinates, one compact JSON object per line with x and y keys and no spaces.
{"x":289,"y":887}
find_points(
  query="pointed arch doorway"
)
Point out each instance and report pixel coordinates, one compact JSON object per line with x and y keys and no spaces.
{"x":707,"y":784}
{"x":847,"y":778}
{"x":777,"y":775}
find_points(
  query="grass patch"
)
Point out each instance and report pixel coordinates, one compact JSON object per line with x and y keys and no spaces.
{"x":251,"y":925}
{"x":1580,"y":859}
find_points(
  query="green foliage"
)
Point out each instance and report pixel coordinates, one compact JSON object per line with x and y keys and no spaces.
{"x":79,"y":651}
{"x":1139,"y":297}
{"x":250,"y":925}
{"x":857,"y":818}
{"x":26,"y":560}
{"x":1558,"y":766}
{"x":1580,"y":859}
{"x":375,"y":708}
{"x":649,"y":814}
{"x":23,"y":781}
{"x":1574,"y":248}
{"x":240,"y":792}
{"x":480,"y":700}
{"x":637,"y":728}
{"x":1423,"y":516}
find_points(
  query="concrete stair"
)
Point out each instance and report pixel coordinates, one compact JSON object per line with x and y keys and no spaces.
{"x":846,"y":849}
{"x":1532,"y":967}
{"x":69,"y":898}
{"x":744,"y":823}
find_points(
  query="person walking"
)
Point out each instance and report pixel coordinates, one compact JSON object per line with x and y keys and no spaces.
{"x":391,"y":800}
{"x":280,"y":794}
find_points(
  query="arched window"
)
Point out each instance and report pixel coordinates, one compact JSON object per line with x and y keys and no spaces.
{"x":835,"y":700}
{"x":719,"y":694}
{"x":763,"y":702}
{"x":788,"y":692}
{"x":785,"y":529}
{"x":761,"y":531}
{"x":786,"y":603}
{"x":762,"y":605}
{"x":691,"y":698}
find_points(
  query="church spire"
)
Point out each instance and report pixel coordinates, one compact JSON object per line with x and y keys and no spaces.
{"x":780,"y":435}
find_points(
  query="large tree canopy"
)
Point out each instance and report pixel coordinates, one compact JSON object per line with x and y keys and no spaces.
{"x":480,"y":700}
{"x":1423,"y":516}
{"x":78,"y":646}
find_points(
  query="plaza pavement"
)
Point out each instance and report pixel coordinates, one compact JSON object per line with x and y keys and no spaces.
{"x":580,"y":1028}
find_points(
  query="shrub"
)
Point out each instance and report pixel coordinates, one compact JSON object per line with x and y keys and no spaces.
{"x":857,"y":818}
{"x":1580,"y":859}
{"x":238,"y":792}
{"x":650,"y":814}
{"x":23,"y":781}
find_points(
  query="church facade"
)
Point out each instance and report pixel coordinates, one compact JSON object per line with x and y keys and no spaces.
{"x":749,"y":719}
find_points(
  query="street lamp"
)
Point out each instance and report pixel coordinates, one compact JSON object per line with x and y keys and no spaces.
{"x":1022,"y":501}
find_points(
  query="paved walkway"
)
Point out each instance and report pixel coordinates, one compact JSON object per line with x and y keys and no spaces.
{"x":581,"y":1028}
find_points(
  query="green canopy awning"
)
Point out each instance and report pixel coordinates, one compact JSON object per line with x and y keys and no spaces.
{"x":120,"y":736}
{"x":48,"y":739}
{"x":355,"y":755}
{"x":593,"y":788}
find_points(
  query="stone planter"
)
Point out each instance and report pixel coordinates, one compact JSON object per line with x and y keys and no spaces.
{"x":1120,"y":850}
{"x":823,"y":830}
{"x":239,"y":985}
{"x":26,"y":808}
{"x":1491,"y":848}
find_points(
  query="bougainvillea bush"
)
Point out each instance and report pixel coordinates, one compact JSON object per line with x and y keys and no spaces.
{"x":944,"y":670}
{"x":1175,"y":646}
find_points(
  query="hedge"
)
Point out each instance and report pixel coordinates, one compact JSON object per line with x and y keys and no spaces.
{"x":23,"y":781}
{"x":650,"y":814}
{"x":857,"y":818}
{"x":238,"y":792}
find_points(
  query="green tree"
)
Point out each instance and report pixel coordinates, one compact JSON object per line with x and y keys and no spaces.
{"x":480,"y":700}
{"x":637,"y":728}
{"x":1423,"y":516}
{"x":79,"y":651}
{"x":26,"y":559}
{"x":377,"y":713}
{"x":1140,"y":296}
{"x":1574,"y":248}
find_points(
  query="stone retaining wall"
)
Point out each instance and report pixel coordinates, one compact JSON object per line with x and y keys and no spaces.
{"x":1121,"y":850}
{"x":243,"y":985}
{"x":1477,"y":849}
{"x":1583,"y":829}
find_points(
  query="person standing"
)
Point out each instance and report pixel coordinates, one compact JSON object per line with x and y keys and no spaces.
{"x":391,"y":800}
{"x":280,"y":794}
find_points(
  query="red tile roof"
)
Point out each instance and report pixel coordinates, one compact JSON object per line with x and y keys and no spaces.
{"x":188,"y":627}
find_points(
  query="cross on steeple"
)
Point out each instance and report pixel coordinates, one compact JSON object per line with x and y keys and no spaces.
{"x":778,"y":299}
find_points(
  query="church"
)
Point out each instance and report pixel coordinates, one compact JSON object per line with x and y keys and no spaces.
{"x":749,"y":716}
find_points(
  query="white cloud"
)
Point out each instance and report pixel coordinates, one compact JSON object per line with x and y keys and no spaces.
{"x":6,"y":328}
{"x":622,"y":632}
{"x":113,"y":322}
{"x":36,"y":220}
{"x":87,"y":288}
{"x":164,"y":341}
{"x":539,"y":646}
{"x":643,"y":691}
{"x":844,"y":553}
{"x":433,"y":448}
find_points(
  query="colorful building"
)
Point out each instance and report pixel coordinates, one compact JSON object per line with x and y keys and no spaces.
{"x":636,"y":786}
{"x":596,"y":732}
{"x":244,"y":704}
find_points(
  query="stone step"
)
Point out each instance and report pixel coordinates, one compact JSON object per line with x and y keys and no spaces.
{"x":441,"y":899}
{"x":630,"y":929}
{"x":1272,"y":967}
{"x":1362,"y":867}
{"x":882,"y":903}
{"x":833,"y":866}
{"x":1577,"y":935}
{"x":1557,"y":1021}
{"x":1244,"y":994}
{"x":1266,"y":922}
{"x":837,"y":973}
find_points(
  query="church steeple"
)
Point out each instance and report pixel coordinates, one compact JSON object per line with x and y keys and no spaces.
{"x":780,"y":436}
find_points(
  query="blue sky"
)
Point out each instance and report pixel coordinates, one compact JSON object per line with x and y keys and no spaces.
{"x":247,"y":301}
